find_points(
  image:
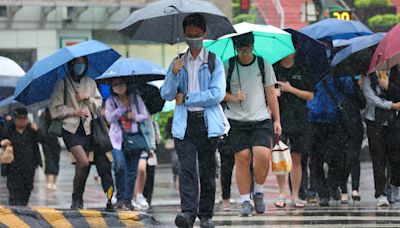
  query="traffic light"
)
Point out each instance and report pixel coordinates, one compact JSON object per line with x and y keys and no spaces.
{"x":244,"y":6}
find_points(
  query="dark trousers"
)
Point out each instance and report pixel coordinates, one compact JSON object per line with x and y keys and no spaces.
{"x":353,"y":150}
{"x":103,"y":166}
{"x":227,"y":164}
{"x":52,"y":157}
{"x":379,"y":151}
{"x":149,"y":185}
{"x":329,"y":146}
{"x":197,"y":146}
{"x":20,"y":186}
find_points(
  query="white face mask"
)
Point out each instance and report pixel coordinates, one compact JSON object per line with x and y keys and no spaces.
{"x":119,"y":89}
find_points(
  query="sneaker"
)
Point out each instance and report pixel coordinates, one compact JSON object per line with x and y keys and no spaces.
{"x":335,"y":203}
{"x":142,"y":203}
{"x":226,"y":205}
{"x":206,"y":223}
{"x":183,"y":220}
{"x":259,"y":203}
{"x":128,"y":206}
{"x":382,"y":201}
{"x":324,"y":202}
{"x":247,"y":209}
{"x":119,"y":204}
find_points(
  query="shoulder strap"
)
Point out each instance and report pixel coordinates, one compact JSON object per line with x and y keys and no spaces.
{"x":261,"y":65}
{"x":232,"y":62}
{"x":211,"y":61}
{"x":65,"y":92}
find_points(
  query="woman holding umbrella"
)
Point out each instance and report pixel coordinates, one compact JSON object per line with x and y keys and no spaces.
{"x":72,"y":102}
{"x":125,"y":111}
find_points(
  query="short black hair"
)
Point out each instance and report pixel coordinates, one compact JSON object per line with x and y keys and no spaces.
{"x":244,"y":40}
{"x":194,"y":19}
{"x":20,"y":112}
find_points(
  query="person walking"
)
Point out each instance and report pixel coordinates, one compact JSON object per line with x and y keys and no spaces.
{"x":81,"y":98}
{"x":382,"y":104}
{"x":125,"y":111}
{"x":23,"y":138}
{"x":51,"y":150}
{"x":250,"y":93}
{"x":296,"y":87}
{"x":196,"y":80}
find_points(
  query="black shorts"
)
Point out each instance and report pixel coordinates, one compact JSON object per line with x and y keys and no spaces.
{"x":78,"y":139}
{"x":298,"y":142}
{"x":246,"y":135}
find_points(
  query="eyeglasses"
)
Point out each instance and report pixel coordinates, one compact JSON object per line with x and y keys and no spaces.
{"x":245,"y":50}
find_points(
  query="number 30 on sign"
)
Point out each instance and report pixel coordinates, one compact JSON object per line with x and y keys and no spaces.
{"x":342,"y":15}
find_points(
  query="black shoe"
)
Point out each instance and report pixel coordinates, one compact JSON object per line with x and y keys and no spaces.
{"x":183,"y":220}
{"x":128,"y":205}
{"x":75,"y":205}
{"x":206,"y":223}
{"x":77,"y":202}
{"x":324,"y":202}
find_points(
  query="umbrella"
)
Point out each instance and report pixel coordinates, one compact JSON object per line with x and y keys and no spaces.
{"x":332,"y":29}
{"x":139,"y":72}
{"x":311,"y":53}
{"x":38,"y":83}
{"x":387,"y":54}
{"x":270,"y":42}
{"x":162,"y":21}
{"x":10,"y":72}
{"x":355,"y":59}
{"x":137,"y":69}
{"x":169,"y":105}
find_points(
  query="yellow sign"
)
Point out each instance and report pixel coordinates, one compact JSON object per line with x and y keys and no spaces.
{"x":342,"y":15}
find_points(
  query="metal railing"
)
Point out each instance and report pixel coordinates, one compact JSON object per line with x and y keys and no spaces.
{"x":281,"y":13}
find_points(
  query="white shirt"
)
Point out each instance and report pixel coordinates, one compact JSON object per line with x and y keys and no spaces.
{"x":193,"y":66}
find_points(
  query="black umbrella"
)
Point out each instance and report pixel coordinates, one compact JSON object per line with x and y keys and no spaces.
{"x":162,"y":21}
{"x":311,"y":53}
{"x":151,"y":97}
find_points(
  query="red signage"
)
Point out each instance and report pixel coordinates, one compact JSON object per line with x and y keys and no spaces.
{"x":244,"y":6}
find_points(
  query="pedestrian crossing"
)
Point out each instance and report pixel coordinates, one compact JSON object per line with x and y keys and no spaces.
{"x":312,"y":216}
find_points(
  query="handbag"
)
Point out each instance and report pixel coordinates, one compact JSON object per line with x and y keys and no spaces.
{"x":56,"y":125}
{"x":101,"y":142}
{"x":7,"y":156}
{"x":281,"y":159}
{"x":140,"y":141}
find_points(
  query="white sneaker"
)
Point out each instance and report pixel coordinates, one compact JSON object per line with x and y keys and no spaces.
{"x":141,"y":201}
{"x":382,"y":201}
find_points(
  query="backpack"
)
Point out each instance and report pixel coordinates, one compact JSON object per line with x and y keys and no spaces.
{"x":233,"y":61}
{"x":211,"y":61}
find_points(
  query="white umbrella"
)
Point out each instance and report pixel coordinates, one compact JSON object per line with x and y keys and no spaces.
{"x":10,"y":72}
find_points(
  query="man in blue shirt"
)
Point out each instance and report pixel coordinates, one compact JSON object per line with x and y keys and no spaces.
{"x":198,"y":121}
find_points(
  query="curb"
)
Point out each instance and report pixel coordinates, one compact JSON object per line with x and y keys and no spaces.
{"x":22,"y":217}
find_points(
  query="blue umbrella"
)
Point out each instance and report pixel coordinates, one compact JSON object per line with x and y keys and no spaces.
{"x":332,"y":29}
{"x":137,"y":69}
{"x":311,"y":53}
{"x":38,"y":83}
{"x":138,"y":72}
{"x":355,"y":58}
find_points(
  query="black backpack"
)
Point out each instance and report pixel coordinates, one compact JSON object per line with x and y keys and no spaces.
{"x":233,"y":61}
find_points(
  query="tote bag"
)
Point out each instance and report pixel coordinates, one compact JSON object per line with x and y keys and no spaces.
{"x":281,"y":159}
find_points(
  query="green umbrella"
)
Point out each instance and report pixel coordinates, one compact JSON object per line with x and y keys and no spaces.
{"x":270,"y":42}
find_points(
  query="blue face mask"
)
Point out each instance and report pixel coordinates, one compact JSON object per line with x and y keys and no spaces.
{"x":79,"y":68}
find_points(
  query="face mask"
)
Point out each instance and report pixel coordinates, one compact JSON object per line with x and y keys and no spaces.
{"x":119,"y":89}
{"x":194,"y":43}
{"x":79,"y":68}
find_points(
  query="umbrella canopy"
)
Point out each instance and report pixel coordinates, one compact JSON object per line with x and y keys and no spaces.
{"x":270,"y":42}
{"x":162,"y":21}
{"x":332,"y":29}
{"x":355,"y":59}
{"x":310,"y":52}
{"x":136,"y":69}
{"x":387,"y":54}
{"x":38,"y":83}
{"x":10,"y":72}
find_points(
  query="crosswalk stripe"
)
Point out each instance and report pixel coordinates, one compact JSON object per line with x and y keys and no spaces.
{"x":130,"y":218}
{"x":54,"y":217}
{"x":94,"y":218}
{"x":8,"y":218}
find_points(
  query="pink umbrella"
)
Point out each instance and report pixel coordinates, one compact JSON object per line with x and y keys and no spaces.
{"x":387,"y":54}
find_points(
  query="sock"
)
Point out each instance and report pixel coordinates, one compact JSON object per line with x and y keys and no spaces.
{"x":245,"y":198}
{"x":258,"y":188}
{"x":139,"y":195}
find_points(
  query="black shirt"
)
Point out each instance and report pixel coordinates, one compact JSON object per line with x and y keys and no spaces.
{"x":293,"y":110}
{"x":26,"y":149}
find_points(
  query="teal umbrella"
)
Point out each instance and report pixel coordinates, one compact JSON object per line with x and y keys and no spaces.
{"x":270,"y":42}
